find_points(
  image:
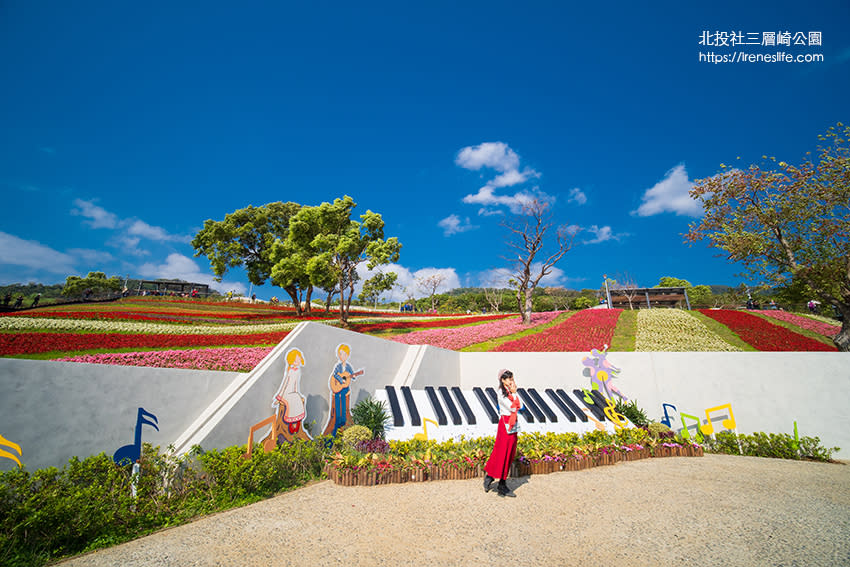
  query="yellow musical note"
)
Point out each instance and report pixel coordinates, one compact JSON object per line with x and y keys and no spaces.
{"x":687,"y":434}
{"x":587,"y":397}
{"x":618,"y":419}
{"x":728,"y":423}
{"x":424,"y":436}
{"x":7,"y":454}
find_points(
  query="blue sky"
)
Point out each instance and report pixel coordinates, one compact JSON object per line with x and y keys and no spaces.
{"x":123,"y":126}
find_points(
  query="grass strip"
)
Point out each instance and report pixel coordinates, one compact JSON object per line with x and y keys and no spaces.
{"x":625,"y":332}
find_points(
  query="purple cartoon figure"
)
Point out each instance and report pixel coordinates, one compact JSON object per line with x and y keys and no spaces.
{"x":600,"y":371}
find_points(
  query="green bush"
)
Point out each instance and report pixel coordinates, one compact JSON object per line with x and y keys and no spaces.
{"x":354,"y":434}
{"x":371,"y":413}
{"x":776,"y":445}
{"x":633,"y":412}
{"x":89,"y":504}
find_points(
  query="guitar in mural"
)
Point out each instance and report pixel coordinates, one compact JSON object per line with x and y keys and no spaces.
{"x":12,"y":445}
{"x":601,"y":372}
{"x":131,"y":453}
{"x":339,"y":383}
{"x":286,"y":424}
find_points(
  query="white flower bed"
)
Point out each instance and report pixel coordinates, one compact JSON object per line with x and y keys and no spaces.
{"x":28,"y":324}
{"x":675,"y":330}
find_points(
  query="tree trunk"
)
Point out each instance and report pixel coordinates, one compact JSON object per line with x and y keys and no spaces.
{"x":519,"y":303}
{"x":293,"y":293}
{"x":526,"y":312}
{"x":842,"y":339}
{"x":307,"y":301}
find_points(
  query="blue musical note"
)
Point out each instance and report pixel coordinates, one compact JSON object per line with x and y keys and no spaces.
{"x":131,"y":453}
{"x":666,"y":419}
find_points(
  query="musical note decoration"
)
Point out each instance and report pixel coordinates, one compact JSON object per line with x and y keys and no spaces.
{"x":796,"y":438}
{"x":666,"y":419}
{"x":599,"y":425}
{"x":424,"y":436}
{"x":618,"y":419}
{"x":12,"y":445}
{"x":687,"y":434}
{"x":131,"y":453}
{"x":728,"y":423}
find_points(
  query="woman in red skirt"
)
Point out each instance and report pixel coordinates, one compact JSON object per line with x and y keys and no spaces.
{"x":504,"y":451}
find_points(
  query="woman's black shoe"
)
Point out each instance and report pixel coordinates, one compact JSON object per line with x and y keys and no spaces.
{"x":488,"y":483}
{"x":505,"y":491}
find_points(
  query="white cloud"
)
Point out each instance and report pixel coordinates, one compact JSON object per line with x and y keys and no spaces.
{"x":182,"y":267}
{"x":670,"y":195}
{"x":577,"y":196}
{"x":515,"y":202}
{"x":495,"y":155}
{"x":91,"y":256}
{"x":499,"y":157}
{"x":98,"y":216}
{"x":144,"y":230}
{"x":31,"y":254}
{"x":452,"y":224}
{"x":603,"y":234}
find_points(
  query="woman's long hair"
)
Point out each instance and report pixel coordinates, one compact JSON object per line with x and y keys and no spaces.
{"x":506,"y":374}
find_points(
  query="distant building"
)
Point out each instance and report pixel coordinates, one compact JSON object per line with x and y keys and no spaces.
{"x":649,"y":297}
{"x":159,"y":287}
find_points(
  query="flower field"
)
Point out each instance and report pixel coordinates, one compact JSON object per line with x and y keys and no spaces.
{"x":455,"y":339}
{"x":675,"y":330}
{"x":585,"y":330}
{"x":232,"y":359}
{"x":194,"y":334}
{"x":764,"y":335}
{"x":803,"y":322}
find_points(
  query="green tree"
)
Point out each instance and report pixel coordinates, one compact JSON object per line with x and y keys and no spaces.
{"x":245,"y":238}
{"x":341,"y":244}
{"x":94,"y":281}
{"x":582,"y":302}
{"x":375,"y":286}
{"x":787,"y":224}
{"x":669,"y":281}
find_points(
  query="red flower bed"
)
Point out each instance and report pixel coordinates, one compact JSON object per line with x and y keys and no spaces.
{"x":764,"y":335}
{"x":588,"y":329}
{"x":369,"y":327}
{"x":32,"y":343}
{"x":162,"y":316}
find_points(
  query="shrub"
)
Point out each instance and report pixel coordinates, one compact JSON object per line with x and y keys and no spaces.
{"x":776,"y":445}
{"x":355,"y":434}
{"x":632,"y":411}
{"x":371,"y":414}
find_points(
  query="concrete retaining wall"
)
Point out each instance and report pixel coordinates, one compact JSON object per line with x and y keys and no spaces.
{"x":56,"y":410}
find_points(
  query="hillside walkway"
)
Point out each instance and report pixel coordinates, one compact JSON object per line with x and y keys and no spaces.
{"x":715,"y":510}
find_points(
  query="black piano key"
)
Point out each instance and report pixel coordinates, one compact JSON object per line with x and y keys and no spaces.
{"x":529,"y":404}
{"x":523,"y":412}
{"x":464,"y":406}
{"x":600,"y":399}
{"x":572,"y":405}
{"x":435,"y":403}
{"x":494,"y":417}
{"x":561,"y":405}
{"x":398,"y":419}
{"x":411,"y":406}
{"x":592,"y":406}
{"x":450,"y":405}
{"x":538,"y":399}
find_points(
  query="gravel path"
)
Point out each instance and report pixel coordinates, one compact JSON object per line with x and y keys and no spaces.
{"x":715,"y":510}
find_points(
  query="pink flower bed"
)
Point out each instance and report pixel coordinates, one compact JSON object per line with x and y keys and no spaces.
{"x":588,"y":329}
{"x":464,"y":336}
{"x":803,"y":322}
{"x":232,"y":359}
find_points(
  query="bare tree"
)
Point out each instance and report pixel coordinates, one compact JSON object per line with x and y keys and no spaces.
{"x":493,"y":289}
{"x":627,"y":285}
{"x":429,"y":285}
{"x":527,"y":239}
